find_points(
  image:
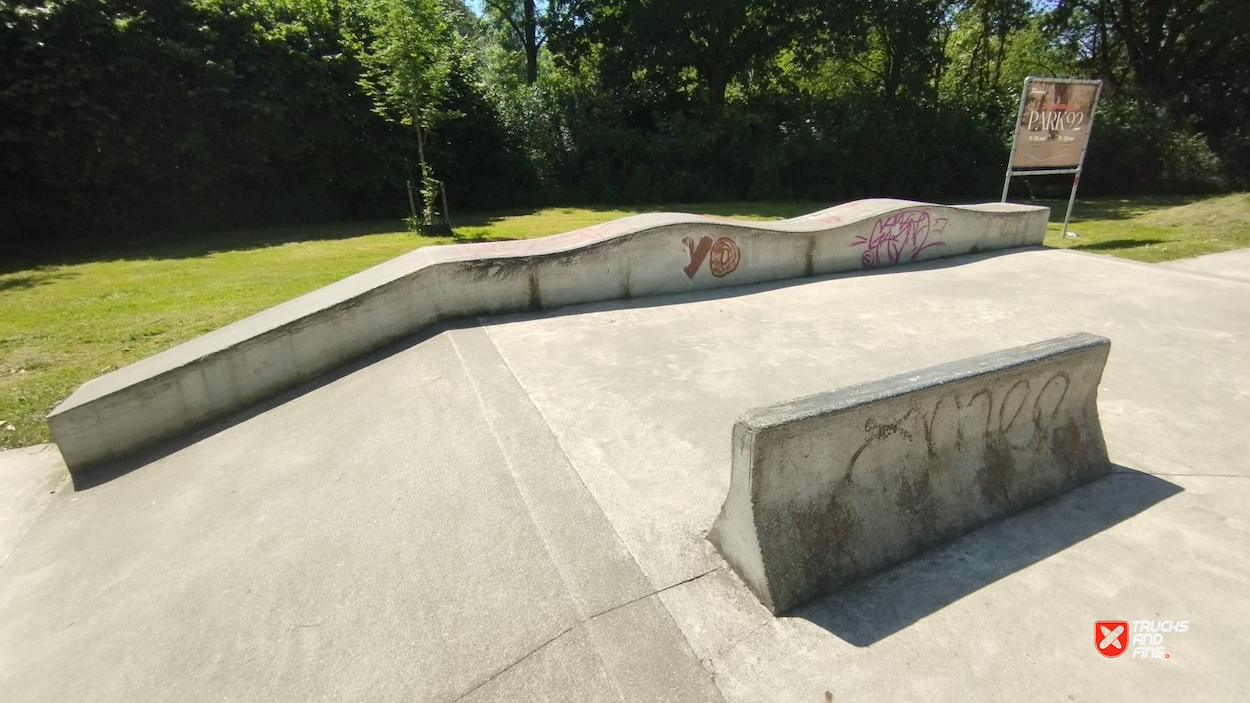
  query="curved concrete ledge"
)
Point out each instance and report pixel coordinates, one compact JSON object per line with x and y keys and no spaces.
{"x":210,"y":377}
{"x":831,"y":487}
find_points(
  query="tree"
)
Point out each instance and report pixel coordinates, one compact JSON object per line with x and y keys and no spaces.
{"x":981,"y":36}
{"x":525,"y":27}
{"x":408,"y":51}
{"x":908,"y":52}
{"x":696,"y":46}
{"x":1187,"y":56}
{"x":1159,"y":47}
{"x":122,"y":117}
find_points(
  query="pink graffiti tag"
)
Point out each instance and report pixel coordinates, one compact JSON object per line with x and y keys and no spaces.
{"x":903,"y":233}
{"x":725,"y":256}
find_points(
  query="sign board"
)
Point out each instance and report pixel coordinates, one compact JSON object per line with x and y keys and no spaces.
{"x":1052,"y":131}
{"x":1055,"y":117}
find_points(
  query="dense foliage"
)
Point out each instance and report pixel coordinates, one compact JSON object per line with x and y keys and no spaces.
{"x":125,"y":117}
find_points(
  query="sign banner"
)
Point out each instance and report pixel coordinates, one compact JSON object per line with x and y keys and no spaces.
{"x":1055,"y":115}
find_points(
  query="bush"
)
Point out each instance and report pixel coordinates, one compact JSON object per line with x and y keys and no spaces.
{"x":189,"y":116}
{"x":1140,"y":148}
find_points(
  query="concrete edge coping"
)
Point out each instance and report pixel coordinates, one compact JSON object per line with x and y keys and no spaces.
{"x":345,"y":290}
{"x":850,"y":397}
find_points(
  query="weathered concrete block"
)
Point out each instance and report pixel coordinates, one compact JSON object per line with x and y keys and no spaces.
{"x":831,"y":487}
{"x":208,"y":378}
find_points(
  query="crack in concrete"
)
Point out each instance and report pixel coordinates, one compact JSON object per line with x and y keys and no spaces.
{"x":576,"y":625}
{"x":721,"y":652}
{"x":473,"y":382}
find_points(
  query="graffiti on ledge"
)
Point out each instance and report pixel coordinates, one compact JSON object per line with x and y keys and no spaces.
{"x":722,"y":256}
{"x":983,"y":420}
{"x":902,"y":234}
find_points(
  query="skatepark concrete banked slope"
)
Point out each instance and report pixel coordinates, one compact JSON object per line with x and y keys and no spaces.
{"x":209,"y":378}
{"x":517,"y":509}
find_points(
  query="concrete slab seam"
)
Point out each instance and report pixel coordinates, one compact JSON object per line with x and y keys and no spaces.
{"x":537,"y":528}
{"x":560,"y":567}
{"x":711,"y":672}
{"x":516,"y":481}
{"x":555,"y":441}
{"x":620,"y":538}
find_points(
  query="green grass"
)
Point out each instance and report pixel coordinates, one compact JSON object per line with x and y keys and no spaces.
{"x":1153,"y":229}
{"x":65,"y":322}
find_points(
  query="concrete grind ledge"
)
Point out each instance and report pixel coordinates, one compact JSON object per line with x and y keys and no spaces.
{"x":207,"y":379}
{"x":831,"y":487}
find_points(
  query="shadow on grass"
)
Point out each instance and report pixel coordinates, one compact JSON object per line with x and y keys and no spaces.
{"x":741,"y":209}
{"x":177,"y":245}
{"x":1117,"y":244}
{"x":174,"y":245}
{"x":878,"y":606}
{"x":461,"y":238}
{"x":1112,"y":208}
{"x":169,"y":245}
{"x":771,"y":209}
{"x":34,"y":279}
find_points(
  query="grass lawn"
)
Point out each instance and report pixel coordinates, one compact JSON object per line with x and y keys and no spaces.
{"x":1153,"y":229}
{"x":63,"y":323}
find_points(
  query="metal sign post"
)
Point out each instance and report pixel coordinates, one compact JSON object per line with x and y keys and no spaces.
{"x":1015,"y":137}
{"x":1054,"y":113}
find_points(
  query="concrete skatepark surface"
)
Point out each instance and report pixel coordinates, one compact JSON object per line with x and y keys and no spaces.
{"x":515,"y":509}
{"x":1233,"y":265}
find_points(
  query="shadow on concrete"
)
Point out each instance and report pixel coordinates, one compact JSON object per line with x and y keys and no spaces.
{"x":880,"y":605}
{"x":97,"y":476}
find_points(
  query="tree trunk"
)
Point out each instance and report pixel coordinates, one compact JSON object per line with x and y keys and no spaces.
{"x":428,"y":195}
{"x":531,"y":44}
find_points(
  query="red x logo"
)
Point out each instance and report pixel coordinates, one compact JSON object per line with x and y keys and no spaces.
{"x":1111,"y":637}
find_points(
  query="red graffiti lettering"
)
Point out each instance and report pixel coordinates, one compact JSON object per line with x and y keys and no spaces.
{"x":722,"y":255}
{"x":698,"y":252}
{"x":725,"y":257}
